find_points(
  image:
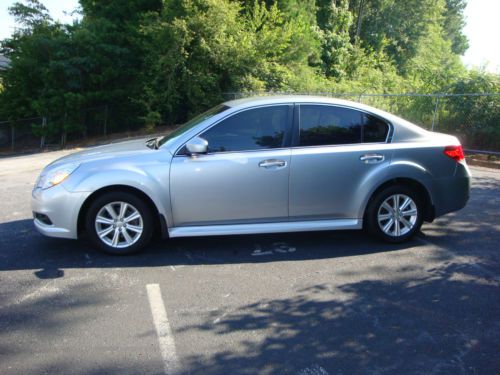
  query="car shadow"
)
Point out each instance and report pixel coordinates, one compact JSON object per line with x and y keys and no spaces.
{"x":22,"y":248}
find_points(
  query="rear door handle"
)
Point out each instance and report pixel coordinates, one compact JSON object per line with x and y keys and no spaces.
{"x":272,"y":163}
{"x":371,"y":158}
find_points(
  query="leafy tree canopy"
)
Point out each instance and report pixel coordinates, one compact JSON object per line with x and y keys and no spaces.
{"x":159,"y":61}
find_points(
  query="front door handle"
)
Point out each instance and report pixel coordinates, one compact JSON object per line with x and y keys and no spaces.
{"x":272,"y":163}
{"x":372,"y":158}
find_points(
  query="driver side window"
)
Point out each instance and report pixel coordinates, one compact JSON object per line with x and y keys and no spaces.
{"x":253,"y":129}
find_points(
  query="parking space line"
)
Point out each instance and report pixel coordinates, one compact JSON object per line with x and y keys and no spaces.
{"x":163,"y":330}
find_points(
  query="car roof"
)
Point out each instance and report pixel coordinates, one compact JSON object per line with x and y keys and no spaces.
{"x":284,"y":99}
{"x":411,"y":130}
{"x":277,"y":99}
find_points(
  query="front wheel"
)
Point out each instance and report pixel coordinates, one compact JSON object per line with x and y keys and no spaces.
{"x":395,"y":214}
{"x":119,"y":223}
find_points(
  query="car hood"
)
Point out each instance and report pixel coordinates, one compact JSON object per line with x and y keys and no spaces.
{"x":113,"y":150}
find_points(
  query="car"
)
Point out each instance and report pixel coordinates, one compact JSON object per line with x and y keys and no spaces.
{"x":257,"y":165}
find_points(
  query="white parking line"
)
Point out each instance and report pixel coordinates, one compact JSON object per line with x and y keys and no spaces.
{"x":165,"y":337}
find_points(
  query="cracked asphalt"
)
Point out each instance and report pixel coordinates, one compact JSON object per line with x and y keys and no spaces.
{"x":305,"y":304}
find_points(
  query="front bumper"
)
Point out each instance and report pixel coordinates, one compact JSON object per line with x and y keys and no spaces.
{"x":61,"y":207}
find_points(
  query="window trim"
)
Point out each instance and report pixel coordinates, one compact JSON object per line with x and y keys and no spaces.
{"x":287,"y":138}
{"x":296,"y":126}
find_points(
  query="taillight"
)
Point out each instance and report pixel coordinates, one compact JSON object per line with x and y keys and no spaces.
{"x":454,"y":152}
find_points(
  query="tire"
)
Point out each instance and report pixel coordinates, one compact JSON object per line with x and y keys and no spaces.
{"x":380,"y":212}
{"x":108,"y":228}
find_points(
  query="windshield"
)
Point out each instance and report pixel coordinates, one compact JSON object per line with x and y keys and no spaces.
{"x":192,"y":123}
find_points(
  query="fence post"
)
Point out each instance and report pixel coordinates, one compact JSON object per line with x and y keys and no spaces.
{"x":106,"y":121}
{"x":63,"y":134}
{"x":435,"y":116}
{"x":42,"y":140}
{"x":12,"y":137}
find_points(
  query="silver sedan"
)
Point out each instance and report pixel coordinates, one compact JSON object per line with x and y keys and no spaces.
{"x":258,"y":165}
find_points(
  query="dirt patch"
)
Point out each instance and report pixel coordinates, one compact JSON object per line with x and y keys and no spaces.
{"x":487,"y":161}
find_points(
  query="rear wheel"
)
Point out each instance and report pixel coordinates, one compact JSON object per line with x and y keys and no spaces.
{"x":395,"y":214}
{"x":119,"y":223}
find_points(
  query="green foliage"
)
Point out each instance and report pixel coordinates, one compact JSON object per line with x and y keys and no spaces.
{"x":160,"y":61}
{"x":58,"y":70}
{"x":404,"y":30}
{"x":37,"y":82}
{"x":477,"y":119}
{"x":454,"y":22}
{"x":200,"y":49}
{"x":334,"y":21}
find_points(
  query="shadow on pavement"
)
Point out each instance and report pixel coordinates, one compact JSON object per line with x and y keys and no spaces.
{"x":444,"y":323}
{"x":22,"y":248}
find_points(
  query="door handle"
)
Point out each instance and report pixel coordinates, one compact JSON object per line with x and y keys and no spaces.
{"x":272,"y":163}
{"x":372,"y":158}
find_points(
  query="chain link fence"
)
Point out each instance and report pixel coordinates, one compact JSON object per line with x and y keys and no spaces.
{"x":19,"y":134}
{"x":46,"y":132}
{"x":473,"y":118}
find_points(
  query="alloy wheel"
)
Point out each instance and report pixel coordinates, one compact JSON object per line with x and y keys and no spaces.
{"x":119,"y":224}
{"x":397,"y":215}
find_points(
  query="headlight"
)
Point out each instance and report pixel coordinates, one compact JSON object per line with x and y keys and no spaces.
{"x":55,"y":176}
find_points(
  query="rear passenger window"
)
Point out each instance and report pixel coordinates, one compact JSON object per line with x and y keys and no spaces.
{"x":328,"y":125}
{"x":374,"y":129}
{"x":253,"y":129}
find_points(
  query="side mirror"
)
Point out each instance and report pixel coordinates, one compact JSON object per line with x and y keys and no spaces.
{"x":197,"y":145}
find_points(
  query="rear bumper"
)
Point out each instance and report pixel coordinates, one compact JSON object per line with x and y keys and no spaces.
{"x":61,"y":207}
{"x":452,"y":193}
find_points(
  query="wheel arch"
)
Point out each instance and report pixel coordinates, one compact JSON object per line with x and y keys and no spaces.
{"x":160,"y":223}
{"x":418,"y":186}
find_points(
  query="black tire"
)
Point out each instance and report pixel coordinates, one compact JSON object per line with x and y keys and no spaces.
{"x":142,"y":207}
{"x":372,"y":210}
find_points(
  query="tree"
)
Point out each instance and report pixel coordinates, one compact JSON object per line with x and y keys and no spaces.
{"x":41,"y":79}
{"x":114,"y":49}
{"x":454,"y":23}
{"x":157,"y":62}
{"x":200,"y":49}
{"x":334,"y":20}
{"x":478,"y":118}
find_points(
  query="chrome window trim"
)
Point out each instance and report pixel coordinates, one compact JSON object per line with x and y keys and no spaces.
{"x":342,"y":145}
{"x":237,"y":152}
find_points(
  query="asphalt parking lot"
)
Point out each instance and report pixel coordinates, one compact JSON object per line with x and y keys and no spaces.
{"x":306,"y":304}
